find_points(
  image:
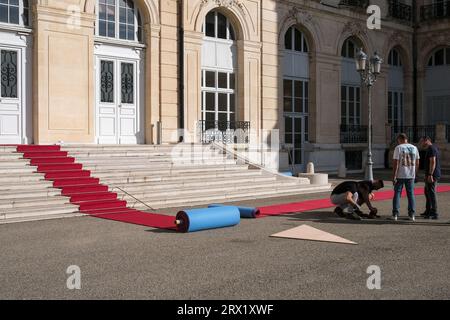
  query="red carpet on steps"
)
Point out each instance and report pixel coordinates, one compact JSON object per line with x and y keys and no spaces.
{"x":96,"y":200}
{"x":86,"y":191}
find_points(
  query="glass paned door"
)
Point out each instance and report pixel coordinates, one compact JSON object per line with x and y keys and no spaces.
{"x":296,"y":134}
{"x":296,"y":126}
{"x":350,"y":105}
{"x":11,"y":111}
{"x":218,"y":109}
{"x":117,"y":112}
{"x":395,"y":108}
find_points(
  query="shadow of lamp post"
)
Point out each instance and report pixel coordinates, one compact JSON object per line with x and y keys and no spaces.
{"x":369,"y":69}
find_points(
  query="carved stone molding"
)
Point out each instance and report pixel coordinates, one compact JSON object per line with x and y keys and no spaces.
{"x":300,"y":16}
{"x":354,"y":28}
{"x":225,"y":4}
{"x":435,"y":39}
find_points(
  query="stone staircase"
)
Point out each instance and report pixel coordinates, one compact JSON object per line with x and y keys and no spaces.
{"x":182,"y":175}
{"x":146,"y":176}
{"x":24,"y":193}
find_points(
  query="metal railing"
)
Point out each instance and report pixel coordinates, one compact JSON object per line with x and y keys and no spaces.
{"x":355,"y":3}
{"x":414,"y":133}
{"x":400,"y":11}
{"x":354,"y":134}
{"x":435,"y":11}
{"x":227,"y":132}
{"x":447,"y":133}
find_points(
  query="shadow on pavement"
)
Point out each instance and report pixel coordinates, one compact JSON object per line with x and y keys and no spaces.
{"x":329,"y":217}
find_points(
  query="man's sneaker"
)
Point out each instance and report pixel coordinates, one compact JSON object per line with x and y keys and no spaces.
{"x":432,"y":217}
{"x":395,"y":217}
{"x":353,"y":216}
{"x":412,"y":218}
{"x":425,"y":214}
{"x":339,"y":212}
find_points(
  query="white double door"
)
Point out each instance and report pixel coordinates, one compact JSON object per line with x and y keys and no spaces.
{"x":119,"y":102}
{"x":13,"y":124}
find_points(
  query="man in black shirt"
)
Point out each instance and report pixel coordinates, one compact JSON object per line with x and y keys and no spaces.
{"x":352,"y":195}
{"x":432,"y":176}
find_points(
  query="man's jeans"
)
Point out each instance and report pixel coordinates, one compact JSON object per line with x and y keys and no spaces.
{"x":398,"y":188}
{"x":430,"y":195}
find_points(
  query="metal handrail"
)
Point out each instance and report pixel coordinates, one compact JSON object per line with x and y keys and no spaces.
{"x":130,"y":195}
{"x":355,"y":3}
{"x":414,"y":133}
{"x":400,"y":10}
{"x":354,"y":133}
{"x":224,"y":131}
{"x":435,"y":11}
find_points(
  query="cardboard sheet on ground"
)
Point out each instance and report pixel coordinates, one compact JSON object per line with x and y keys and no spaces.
{"x":305,"y":232}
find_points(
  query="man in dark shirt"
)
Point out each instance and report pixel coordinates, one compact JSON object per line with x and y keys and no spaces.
{"x":432,"y":175}
{"x":352,"y":195}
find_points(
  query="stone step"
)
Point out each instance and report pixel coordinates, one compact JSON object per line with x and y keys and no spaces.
{"x":32,"y":193}
{"x":165,"y":170}
{"x":10,"y":156}
{"x":21,"y":177}
{"x":177,"y":192}
{"x":129,"y":148}
{"x":39,"y":217}
{"x":153,"y":186}
{"x":37,"y":211}
{"x":25,"y":186}
{"x":146,"y":154}
{"x":16,"y":163}
{"x":205,"y":199}
{"x":160,"y":177}
{"x":151,"y":159}
{"x":17,"y":170}
{"x":7,"y":149}
{"x":32,"y":201}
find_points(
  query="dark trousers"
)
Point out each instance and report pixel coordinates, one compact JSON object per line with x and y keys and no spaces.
{"x":430,"y":195}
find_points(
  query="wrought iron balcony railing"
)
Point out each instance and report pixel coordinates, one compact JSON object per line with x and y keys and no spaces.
{"x":435,"y":11}
{"x":227,"y":132}
{"x":414,"y":133}
{"x":355,"y":3}
{"x":354,"y":134}
{"x":400,"y":11}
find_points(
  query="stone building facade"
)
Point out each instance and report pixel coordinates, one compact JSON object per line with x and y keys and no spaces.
{"x":143,"y":71}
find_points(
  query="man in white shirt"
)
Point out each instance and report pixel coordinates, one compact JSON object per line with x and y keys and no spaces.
{"x":406,"y":164}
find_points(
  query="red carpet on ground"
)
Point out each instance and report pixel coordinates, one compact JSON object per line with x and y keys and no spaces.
{"x":310,"y":205}
{"x":96,"y":200}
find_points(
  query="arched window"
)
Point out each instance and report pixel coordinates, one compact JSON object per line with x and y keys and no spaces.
{"x":440,"y":57}
{"x":218,"y":26}
{"x":219,"y":65}
{"x":15,"y":12}
{"x":395,"y":59}
{"x":437,"y":87}
{"x":295,"y":40}
{"x":349,"y":49}
{"x":119,"y":19}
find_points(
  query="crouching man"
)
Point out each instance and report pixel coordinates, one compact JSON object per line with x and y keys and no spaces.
{"x":351,"y":195}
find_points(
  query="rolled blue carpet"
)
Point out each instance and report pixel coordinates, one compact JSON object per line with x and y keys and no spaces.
{"x":209,"y":218}
{"x":245,"y":212}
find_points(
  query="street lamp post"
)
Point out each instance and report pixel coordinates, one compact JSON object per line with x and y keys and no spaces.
{"x":369,"y":69}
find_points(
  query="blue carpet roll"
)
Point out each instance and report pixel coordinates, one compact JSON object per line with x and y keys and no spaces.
{"x":210,"y":218}
{"x":245,"y":212}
